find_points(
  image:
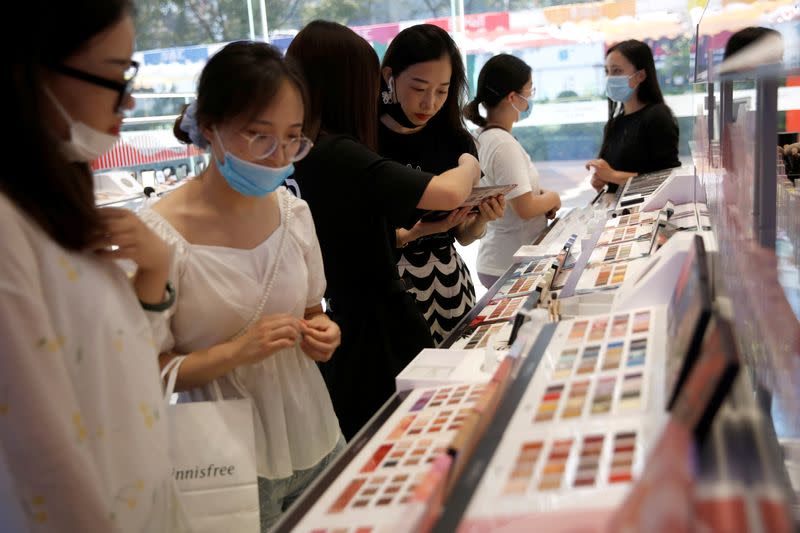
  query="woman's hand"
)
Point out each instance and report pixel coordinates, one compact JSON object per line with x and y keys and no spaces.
{"x":603,"y":173}
{"x":422,"y":228}
{"x":491,"y":209}
{"x":132,"y":239}
{"x":267,"y":336}
{"x":321,"y":337}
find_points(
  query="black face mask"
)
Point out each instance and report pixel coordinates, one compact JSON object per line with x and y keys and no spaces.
{"x":395,"y":111}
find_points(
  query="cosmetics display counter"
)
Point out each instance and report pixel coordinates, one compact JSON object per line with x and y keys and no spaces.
{"x":535,"y":412}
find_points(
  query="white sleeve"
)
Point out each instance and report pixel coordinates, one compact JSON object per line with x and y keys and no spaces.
{"x":161,"y":321}
{"x":306,"y":233}
{"x":54,"y":477}
{"x":506,"y":164}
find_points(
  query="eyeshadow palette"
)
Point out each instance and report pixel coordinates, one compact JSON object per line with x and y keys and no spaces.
{"x":563,"y":470}
{"x":499,"y":309}
{"x":533,"y":268}
{"x":626,"y":233}
{"x":643,"y":185}
{"x":609,"y":276}
{"x":620,"y":252}
{"x":632,"y":219}
{"x":375,"y":489}
{"x":520,"y":286}
{"x":479,"y":337}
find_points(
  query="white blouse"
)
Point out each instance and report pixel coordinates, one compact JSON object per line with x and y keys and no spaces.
{"x":218,"y":290}
{"x":83,"y":438}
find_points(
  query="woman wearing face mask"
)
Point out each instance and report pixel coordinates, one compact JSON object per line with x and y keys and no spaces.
{"x":641,"y":134}
{"x":506,"y":91}
{"x":83,"y":437}
{"x":357,"y":198}
{"x":421,"y":126}
{"x":248,"y":270}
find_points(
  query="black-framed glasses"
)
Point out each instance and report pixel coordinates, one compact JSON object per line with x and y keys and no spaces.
{"x":122,"y":88}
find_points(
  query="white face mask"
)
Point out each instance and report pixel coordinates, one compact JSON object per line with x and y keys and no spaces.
{"x":85,"y":143}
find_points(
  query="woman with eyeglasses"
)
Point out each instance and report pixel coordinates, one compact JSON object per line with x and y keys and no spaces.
{"x":424,"y":85}
{"x":505,"y":90}
{"x":248,"y":271}
{"x":641,"y":134}
{"x":84,"y":442}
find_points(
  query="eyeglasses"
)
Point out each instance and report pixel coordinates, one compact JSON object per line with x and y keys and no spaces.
{"x":123,"y":88}
{"x":532,"y":95}
{"x":262,"y":146}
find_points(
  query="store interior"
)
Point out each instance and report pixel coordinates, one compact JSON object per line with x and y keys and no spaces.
{"x":638,"y":367}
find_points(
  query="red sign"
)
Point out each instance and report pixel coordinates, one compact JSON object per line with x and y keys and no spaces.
{"x":478,"y":22}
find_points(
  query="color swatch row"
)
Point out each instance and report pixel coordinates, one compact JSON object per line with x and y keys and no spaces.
{"x":481,"y":335}
{"x":564,"y":463}
{"x":501,"y":309}
{"x":376,"y":491}
{"x":591,"y":397}
{"x":520,"y":286}
{"x":621,"y":326}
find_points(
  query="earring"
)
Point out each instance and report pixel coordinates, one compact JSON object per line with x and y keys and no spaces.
{"x":388,"y":96}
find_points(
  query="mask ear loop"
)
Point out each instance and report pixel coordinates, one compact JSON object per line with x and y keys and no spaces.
{"x":57,"y":105}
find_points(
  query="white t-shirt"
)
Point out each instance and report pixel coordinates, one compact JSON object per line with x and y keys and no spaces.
{"x":218,"y":289}
{"x":503,"y":162}
{"x":83,"y":432}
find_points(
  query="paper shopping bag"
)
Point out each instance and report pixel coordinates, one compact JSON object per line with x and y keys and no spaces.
{"x":214,"y":461}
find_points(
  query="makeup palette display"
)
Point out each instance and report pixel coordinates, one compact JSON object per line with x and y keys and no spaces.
{"x":580,"y":432}
{"x":640,"y":187}
{"x":600,"y":367}
{"x":478,"y":337}
{"x":376,"y":488}
{"x":620,"y":252}
{"x":609,"y":276}
{"x":626,"y":233}
{"x":532,"y":268}
{"x":631,"y":219}
{"x":499,"y":309}
{"x":521,"y":286}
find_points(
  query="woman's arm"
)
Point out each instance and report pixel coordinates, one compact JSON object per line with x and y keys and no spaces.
{"x":530,"y":205}
{"x":270,"y":334}
{"x":449,"y":189}
{"x":603,"y":172}
{"x":474,"y":228}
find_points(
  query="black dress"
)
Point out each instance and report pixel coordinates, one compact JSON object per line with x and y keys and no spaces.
{"x":644,"y":141}
{"x":433,"y":270}
{"x":357,"y":198}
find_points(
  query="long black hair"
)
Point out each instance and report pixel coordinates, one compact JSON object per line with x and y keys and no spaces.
{"x":342,"y":71}
{"x":56,"y":194}
{"x":501,"y":75}
{"x":239,"y":81}
{"x":427,"y":42}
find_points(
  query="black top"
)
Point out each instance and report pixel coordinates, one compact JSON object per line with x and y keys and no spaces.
{"x":645,"y":141}
{"x":429,"y":150}
{"x":357,"y":198}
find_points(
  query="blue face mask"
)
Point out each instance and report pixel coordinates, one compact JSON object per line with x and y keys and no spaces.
{"x":617,"y":88}
{"x":523,"y":114}
{"x":250,"y":179}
